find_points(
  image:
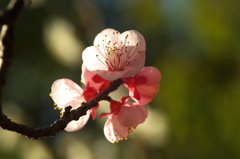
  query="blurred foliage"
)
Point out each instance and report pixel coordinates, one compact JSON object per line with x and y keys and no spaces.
{"x":195,"y":45}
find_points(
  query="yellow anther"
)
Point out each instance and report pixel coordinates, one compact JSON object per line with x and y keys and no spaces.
{"x":126,"y":138}
{"x":50,"y":94}
{"x":54,"y":104}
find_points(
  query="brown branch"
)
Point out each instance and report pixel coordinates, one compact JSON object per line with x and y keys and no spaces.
{"x":9,"y":18}
{"x":61,"y":123}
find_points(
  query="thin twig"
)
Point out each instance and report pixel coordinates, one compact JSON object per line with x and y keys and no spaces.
{"x":8,"y":18}
{"x":61,"y":123}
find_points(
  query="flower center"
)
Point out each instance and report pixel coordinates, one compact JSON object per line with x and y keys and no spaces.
{"x":117,"y":53}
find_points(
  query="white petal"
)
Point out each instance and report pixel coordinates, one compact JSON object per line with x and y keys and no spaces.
{"x":76,"y":125}
{"x":135,"y":65}
{"x":93,"y":59}
{"x":106,"y":35}
{"x":134,"y":39}
{"x":65,"y":92}
{"x":111,"y":75}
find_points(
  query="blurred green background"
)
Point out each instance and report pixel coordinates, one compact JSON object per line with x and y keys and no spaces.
{"x":194,"y":43}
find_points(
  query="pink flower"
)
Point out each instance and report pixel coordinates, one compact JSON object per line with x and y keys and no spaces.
{"x":115,"y":55}
{"x":144,"y":86}
{"x":93,"y":80}
{"x":122,"y":119}
{"x":65,"y":93}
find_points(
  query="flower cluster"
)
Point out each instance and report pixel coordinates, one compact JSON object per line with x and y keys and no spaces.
{"x":112,"y":56}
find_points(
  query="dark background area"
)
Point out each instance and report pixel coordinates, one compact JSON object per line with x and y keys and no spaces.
{"x":195,"y":45}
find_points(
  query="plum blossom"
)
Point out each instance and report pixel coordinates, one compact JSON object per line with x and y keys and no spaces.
{"x":114,"y":55}
{"x":144,"y":85}
{"x":123,"y":118}
{"x":65,"y":93}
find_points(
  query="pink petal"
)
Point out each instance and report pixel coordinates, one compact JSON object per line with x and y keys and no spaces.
{"x":65,"y":92}
{"x":132,"y":114}
{"x":92,"y":79}
{"x":146,"y":93}
{"x":76,"y":125}
{"x":113,"y":130}
{"x":145,"y":85}
{"x":152,"y":74}
{"x":86,"y":75}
